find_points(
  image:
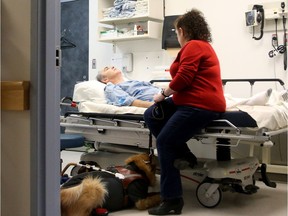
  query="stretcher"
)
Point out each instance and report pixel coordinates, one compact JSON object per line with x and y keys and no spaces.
{"x":232,"y":129}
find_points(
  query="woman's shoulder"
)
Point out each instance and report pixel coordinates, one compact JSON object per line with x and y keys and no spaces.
{"x":198,"y":43}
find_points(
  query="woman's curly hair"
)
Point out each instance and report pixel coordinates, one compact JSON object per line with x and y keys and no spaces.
{"x":194,"y":25}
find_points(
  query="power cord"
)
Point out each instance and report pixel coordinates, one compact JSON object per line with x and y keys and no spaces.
{"x":277,"y":48}
{"x":285,"y":36}
{"x":260,"y":19}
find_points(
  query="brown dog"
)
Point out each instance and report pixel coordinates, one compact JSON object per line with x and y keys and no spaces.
{"x":115,"y":188}
{"x":81,"y":199}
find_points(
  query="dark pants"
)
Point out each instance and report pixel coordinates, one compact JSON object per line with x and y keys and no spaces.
{"x":173,"y":126}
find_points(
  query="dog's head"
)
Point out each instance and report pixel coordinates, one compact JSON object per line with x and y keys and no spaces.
{"x":145,"y":163}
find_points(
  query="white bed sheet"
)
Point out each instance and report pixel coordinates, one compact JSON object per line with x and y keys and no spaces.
{"x":90,"y":106}
{"x":268,"y":108}
{"x":271,"y":117}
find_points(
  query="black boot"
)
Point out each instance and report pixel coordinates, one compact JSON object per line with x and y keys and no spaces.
{"x":168,"y":207}
{"x":189,"y":160}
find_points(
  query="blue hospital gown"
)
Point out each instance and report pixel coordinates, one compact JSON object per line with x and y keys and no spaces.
{"x":125,"y":93}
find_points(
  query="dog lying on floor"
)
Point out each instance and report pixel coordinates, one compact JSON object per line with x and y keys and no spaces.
{"x":114,"y":189}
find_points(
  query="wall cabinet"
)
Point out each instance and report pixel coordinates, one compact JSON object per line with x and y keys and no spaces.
{"x":125,"y":25}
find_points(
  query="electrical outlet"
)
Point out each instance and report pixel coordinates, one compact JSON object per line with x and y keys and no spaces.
{"x":93,"y":63}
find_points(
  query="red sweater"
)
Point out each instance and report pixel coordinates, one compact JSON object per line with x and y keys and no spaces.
{"x":196,"y":77}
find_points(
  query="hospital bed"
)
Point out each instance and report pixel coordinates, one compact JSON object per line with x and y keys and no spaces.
{"x":241,"y":124}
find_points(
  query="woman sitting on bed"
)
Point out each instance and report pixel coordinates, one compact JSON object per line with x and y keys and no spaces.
{"x":121,"y":92}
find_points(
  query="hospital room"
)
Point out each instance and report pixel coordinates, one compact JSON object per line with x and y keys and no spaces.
{"x":151,"y":126}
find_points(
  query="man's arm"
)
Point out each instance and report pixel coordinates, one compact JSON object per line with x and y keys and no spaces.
{"x":117,"y":96}
{"x":141,"y":103}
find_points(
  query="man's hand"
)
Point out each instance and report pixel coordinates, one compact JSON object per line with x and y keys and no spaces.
{"x":141,"y":103}
{"x":158,"y":98}
{"x":164,"y":93}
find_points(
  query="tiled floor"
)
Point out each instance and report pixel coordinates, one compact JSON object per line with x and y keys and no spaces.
{"x":267,"y":201}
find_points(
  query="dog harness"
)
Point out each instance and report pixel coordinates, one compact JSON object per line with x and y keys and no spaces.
{"x":129,"y":177}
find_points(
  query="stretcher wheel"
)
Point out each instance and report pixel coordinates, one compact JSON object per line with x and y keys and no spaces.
{"x":208,"y":202}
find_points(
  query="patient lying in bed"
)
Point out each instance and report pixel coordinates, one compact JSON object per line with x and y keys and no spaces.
{"x":268,"y":108}
{"x":120,"y":92}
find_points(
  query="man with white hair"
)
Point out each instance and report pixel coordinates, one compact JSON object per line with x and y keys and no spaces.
{"x":121,"y":92}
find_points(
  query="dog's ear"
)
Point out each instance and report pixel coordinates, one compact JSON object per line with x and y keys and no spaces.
{"x":142,"y":161}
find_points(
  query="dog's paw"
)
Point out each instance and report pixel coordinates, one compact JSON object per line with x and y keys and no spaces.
{"x":149,"y":202}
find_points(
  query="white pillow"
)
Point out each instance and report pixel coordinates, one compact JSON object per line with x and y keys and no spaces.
{"x":92,"y":90}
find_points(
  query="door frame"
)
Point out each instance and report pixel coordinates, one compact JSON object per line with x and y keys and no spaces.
{"x":45,"y":115}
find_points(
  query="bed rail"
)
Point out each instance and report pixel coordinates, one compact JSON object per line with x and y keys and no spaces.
{"x":225,"y":81}
{"x":252,"y":81}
